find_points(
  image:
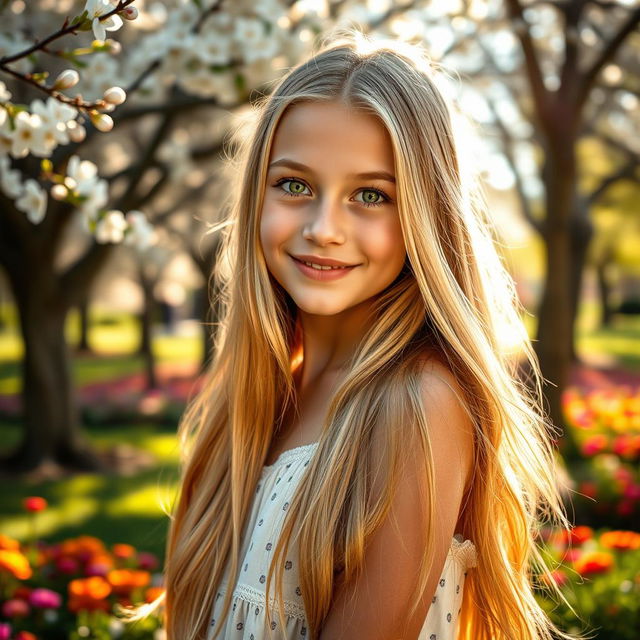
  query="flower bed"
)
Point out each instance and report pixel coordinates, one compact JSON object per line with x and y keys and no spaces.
{"x":69,"y":589}
{"x":599,"y":575}
{"x":606,"y":427}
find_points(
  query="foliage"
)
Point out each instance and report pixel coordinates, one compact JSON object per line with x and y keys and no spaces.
{"x":606,"y":427}
{"x":69,"y":589}
{"x":599,"y":575}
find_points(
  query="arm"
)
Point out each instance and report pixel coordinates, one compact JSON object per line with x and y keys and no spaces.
{"x":375,"y":606}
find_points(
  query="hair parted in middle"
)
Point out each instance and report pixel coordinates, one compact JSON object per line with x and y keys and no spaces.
{"x":453,"y":298}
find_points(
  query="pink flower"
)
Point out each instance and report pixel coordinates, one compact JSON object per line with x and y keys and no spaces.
{"x":15,"y":608}
{"x":96,"y":569}
{"x":571,"y":555}
{"x":67,"y":565}
{"x":625,"y":508}
{"x":45,"y":599}
{"x":147,"y":561}
{"x":632,"y":491}
{"x":5,"y":631}
{"x":594,"y":444}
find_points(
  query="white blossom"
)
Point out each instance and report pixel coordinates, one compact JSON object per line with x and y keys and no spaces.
{"x":214,"y":47}
{"x":102,"y":121}
{"x":5,"y":94}
{"x":111,"y":227}
{"x":66,"y":79}
{"x":53,"y":120}
{"x":10,"y":180}
{"x":115,"y":95}
{"x":28,"y":136}
{"x":251,"y":38}
{"x":140,"y":233}
{"x":97,"y":8}
{"x":33,"y":201}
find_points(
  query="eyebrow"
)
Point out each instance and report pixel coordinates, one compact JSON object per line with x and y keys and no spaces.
{"x":369,"y":175}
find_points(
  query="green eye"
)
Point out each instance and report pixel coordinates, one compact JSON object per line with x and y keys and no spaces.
{"x":296,"y":187}
{"x":292,"y":187}
{"x":371,"y":197}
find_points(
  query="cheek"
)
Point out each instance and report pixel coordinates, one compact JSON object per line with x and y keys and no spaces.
{"x":275,"y":227}
{"x":385,"y":244}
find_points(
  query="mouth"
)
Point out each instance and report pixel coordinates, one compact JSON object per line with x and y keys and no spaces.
{"x":322,"y":272}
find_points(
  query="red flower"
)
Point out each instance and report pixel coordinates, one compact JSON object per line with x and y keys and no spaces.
{"x":34,"y":503}
{"x":589,"y":489}
{"x":593,"y":562}
{"x":625,"y":508}
{"x":15,"y":609}
{"x":26,"y":635}
{"x":579,"y":535}
{"x":594,"y":444}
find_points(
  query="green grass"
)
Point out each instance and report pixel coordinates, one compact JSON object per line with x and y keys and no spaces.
{"x":116,"y":509}
{"x":131,"y":508}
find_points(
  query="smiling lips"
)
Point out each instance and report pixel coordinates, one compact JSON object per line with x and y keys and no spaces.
{"x":322,"y":269}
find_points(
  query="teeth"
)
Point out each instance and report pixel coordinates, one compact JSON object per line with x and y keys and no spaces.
{"x":323,"y":267}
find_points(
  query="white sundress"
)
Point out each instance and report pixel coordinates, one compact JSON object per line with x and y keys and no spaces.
{"x":246,"y":619}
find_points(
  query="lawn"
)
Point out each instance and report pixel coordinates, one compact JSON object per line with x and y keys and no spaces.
{"x":132,"y":508}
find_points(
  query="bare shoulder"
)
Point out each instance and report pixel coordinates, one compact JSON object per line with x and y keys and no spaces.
{"x":450,"y":424}
{"x":376,"y":604}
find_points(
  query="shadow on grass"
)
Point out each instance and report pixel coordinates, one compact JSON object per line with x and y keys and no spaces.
{"x":114,"y":508}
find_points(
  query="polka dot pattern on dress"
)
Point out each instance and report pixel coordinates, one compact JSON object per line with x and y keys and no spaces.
{"x":247,"y":615}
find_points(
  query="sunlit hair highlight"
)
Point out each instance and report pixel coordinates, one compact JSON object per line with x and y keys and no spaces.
{"x":453,"y":299}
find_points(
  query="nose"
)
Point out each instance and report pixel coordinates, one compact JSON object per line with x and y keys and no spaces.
{"x":326,"y":223}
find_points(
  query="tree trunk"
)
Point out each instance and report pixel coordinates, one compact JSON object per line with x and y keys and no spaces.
{"x":146,"y":332}
{"x":581,"y":235}
{"x":604,"y":292}
{"x":553,"y":343}
{"x":83,"y":310}
{"x":51,"y":418}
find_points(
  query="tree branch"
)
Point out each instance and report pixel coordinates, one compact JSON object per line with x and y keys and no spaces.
{"x":507,"y":146}
{"x":609,"y":51}
{"x":534,"y":73}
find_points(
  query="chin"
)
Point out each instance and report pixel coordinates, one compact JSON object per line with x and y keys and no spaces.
{"x":318,"y":307}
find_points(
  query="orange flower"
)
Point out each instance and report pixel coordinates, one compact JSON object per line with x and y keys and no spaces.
{"x":573,"y":537}
{"x":152,"y":593}
{"x":89,"y":593}
{"x":9,"y":543}
{"x":26,"y":635}
{"x":34,"y":503}
{"x":82,"y":547}
{"x":94,"y":587}
{"x":579,"y":535}
{"x":123,"y":551}
{"x":14,"y":562}
{"x":621,"y":540}
{"x":124,"y":581}
{"x":593,"y":562}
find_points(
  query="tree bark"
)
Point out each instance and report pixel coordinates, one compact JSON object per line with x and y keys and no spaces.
{"x":83,"y":311}
{"x":146,"y":325}
{"x":50,"y":412}
{"x":581,"y":234}
{"x":554,"y":336}
{"x":604,"y":292}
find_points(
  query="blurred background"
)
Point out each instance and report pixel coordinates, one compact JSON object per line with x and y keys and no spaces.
{"x":115,"y":120}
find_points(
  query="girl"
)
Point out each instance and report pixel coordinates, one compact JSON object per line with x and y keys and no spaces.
{"x":363,"y":461}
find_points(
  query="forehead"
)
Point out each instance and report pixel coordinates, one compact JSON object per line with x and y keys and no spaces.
{"x":317,"y":132}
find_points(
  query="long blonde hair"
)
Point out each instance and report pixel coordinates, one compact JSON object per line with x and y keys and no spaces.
{"x":453,"y":296}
